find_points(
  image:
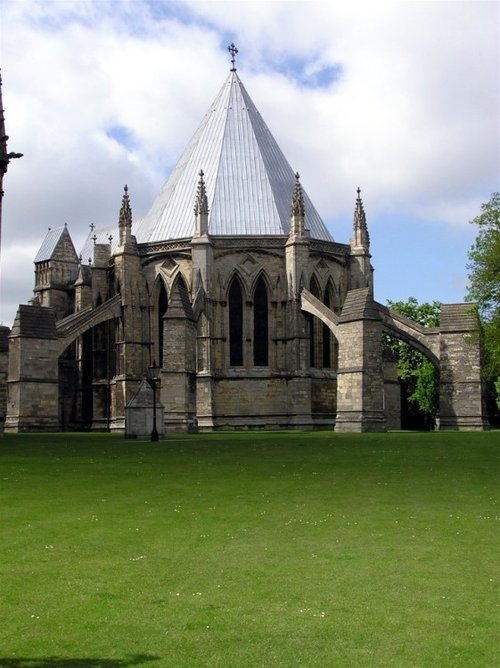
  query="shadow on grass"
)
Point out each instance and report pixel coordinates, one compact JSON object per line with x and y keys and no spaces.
{"x":59,"y":662}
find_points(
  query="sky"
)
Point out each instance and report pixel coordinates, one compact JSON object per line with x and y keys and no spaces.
{"x":398,"y":98}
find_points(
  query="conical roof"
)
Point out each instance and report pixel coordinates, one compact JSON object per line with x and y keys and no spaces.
{"x":249,"y":182}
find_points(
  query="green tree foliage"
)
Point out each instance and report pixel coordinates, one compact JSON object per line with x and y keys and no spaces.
{"x":484,"y":284}
{"x":418,"y":376}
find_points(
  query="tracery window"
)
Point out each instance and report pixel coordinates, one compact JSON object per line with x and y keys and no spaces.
{"x":162,"y":309}
{"x":327,"y":337}
{"x":260,"y":324}
{"x":315,"y":331}
{"x":323,"y":348}
{"x":235,"y":323}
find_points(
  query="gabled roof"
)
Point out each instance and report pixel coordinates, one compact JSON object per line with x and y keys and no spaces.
{"x":50,"y":243}
{"x":248,"y":180}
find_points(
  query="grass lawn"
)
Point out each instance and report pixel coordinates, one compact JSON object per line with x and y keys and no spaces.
{"x":250,"y":550}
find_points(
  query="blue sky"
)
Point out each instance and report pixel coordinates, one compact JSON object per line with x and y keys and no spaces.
{"x":399,"y":98}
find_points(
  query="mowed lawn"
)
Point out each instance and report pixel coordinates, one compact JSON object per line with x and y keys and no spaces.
{"x":250,"y":549}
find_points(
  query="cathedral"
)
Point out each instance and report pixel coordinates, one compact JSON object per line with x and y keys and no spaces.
{"x":233,"y":293}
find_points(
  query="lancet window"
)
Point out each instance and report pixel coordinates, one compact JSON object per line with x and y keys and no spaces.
{"x":260,"y":324}
{"x":235,"y":323}
{"x":162,"y":309}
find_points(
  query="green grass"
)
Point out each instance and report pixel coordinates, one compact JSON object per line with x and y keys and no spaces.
{"x":250,"y":549}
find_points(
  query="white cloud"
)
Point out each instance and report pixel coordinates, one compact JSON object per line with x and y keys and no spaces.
{"x":412,"y":117}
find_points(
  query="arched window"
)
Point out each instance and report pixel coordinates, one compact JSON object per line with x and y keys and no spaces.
{"x":235,"y":324}
{"x":162,"y":309}
{"x":260,"y":325}
{"x":315,"y":330}
{"x":327,"y":337}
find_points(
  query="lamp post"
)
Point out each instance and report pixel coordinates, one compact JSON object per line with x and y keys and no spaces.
{"x":154,"y":374}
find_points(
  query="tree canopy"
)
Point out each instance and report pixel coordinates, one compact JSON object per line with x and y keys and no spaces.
{"x":419,"y":378}
{"x":484,"y":283}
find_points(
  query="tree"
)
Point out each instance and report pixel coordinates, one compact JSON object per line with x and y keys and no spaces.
{"x":484,"y":285}
{"x":419,"y":378}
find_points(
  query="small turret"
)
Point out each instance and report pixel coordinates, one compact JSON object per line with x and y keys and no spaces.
{"x":361,"y":268}
{"x":56,"y":267}
{"x":201,"y":245}
{"x":361,"y":238}
{"x":297,"y":245}
{"x":125,"y":219}
{"x":201,"y":208}
{"x":297,"y":226}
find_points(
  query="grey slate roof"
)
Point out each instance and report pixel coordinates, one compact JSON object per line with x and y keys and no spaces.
{"x":49,"y":244}
{"x":248,"y":180}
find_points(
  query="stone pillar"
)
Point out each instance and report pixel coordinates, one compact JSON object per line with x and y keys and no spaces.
{"x":202,"y":256}
{"x":204,"y":377}
{"x":4,"y":365}
{"x":360,"y":385}
{"x":299,"y":384}
{"x":461,"y":391}
{"x":33,"y":385}
{"x":131,"y":336}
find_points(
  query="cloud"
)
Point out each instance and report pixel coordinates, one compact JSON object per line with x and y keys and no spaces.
{"x":399,"y":98}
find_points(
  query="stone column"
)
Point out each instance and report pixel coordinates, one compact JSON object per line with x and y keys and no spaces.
{"x":204,"y":377}
{"x":178,"y":376}
{"x":299,"y":382}
{"x":360,"y":384}
{"x":4,"y":365}
{"x":461,"y":391}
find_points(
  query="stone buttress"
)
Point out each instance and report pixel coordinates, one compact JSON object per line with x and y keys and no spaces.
{"x":461,"y":392}
{"x":131,"y":336}
{"x":33,"y":385}
{"x":360,"y":385}
{"x":297,"y":263}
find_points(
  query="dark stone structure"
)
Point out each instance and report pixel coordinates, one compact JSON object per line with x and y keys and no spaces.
{"x":257,"y":317}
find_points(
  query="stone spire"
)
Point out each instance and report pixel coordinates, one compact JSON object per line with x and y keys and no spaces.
{"x":361,"y":268}
{"x":201,"y":207}
{"x":297,"y":227}
{"x":297,"y":245}
{"x":361,"y":238}
{"x":201,"y":245}
{"x":5,"y":157}
{"x":125,"y":219}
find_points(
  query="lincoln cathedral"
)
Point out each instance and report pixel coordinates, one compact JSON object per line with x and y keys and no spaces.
{"x":234,"y":289}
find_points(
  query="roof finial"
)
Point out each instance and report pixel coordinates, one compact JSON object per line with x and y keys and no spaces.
{"x":361,"y":236}
{"x":233,"y":51}
{"x":125,"y":218}
{"x":201,"y":201}
{"x":298,"y":198}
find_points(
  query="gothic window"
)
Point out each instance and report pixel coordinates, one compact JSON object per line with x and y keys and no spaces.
{"x":327,"y":337}
{"x":162,"y":309}
{"x":235,"y":324}
{"x":260,"y":325}
{"x":315,"y":330}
